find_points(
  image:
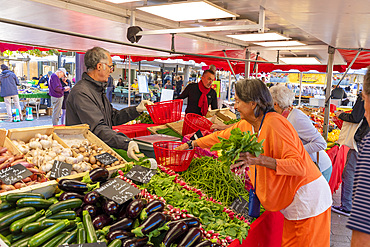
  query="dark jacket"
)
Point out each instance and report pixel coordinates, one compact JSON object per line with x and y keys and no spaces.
{"x":193,"y":94}
{"x":9,"y":82}
{"x":357,"y":114}
{"x":88,"y":104}
{"x":44,"y":80}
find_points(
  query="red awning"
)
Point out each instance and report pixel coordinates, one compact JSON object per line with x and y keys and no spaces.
{"x":362,"y":61}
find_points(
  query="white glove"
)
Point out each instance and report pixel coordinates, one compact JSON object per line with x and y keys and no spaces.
{"x":141,"y":107}
{"x":133,"y":151}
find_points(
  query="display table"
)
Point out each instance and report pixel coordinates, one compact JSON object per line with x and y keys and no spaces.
{"x":134,"y":130}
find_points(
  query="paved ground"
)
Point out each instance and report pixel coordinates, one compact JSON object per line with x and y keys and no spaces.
{"x":340,"y":235}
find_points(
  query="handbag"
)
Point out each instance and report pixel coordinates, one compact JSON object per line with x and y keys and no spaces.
{"x":347,"y":134}
{"x":254,"y":204}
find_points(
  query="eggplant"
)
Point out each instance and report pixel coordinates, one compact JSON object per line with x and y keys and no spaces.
{"x":134,"y":208}
{"x":206,"y":243}
{"x":152,"y":207}
{"x":110,"y":207}
{"x":91,"y":209}
{"x":91,"y":198}
{"x":99,"y":174}
{"x":119,"y":234}
{"x":153,"y":222}
{"x":123,"y":224}
{"x":122,"y":209}
{"x":71,"y":185}
{"x":191,"y":222}
{"x":70,"y":195}
{"x":79,"y":211}
{"x":101,"y":221}
{"x":174,"y":233}
{"x":135,"y":242}
{"x":191,"y":238}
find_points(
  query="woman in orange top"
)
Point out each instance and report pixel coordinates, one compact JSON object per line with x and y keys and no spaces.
{"x":287,"y":180}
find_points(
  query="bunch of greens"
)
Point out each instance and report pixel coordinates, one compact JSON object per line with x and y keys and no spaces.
{"x":144,"y":118}
{"x":215,"y":179}
{"x":238,"y":142}
{"x":232,"y":121}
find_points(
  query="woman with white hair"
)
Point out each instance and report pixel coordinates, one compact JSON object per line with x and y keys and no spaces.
{"x":313,"y":142}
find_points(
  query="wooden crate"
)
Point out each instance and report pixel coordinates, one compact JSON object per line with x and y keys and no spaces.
{"x":84,"y":130}
{"x":6,"y":142}
{"x":46,"y":188}
{"x":25,"y":134}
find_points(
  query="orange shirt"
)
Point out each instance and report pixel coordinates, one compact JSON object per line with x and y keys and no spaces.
{"x":294,"y":167}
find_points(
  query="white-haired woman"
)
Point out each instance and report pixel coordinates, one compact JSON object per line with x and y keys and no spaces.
{"x":312,"y":140}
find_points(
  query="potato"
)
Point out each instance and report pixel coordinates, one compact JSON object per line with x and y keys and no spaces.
{"x":86,"y":159}
{"x":82,"y":149}
{"x":108,"y":166}
{"x":92,"y":160}
{"x":86,"y":154}
{"x":98,"y":163}
{"x":94,"y":166}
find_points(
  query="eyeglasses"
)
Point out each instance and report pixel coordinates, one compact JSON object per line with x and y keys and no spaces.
{"x":111,"y":67}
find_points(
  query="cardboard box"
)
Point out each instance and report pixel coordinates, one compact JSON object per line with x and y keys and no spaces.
{"x":222,"y":115}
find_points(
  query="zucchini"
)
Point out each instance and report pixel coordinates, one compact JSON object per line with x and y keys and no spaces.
{"x":89,"y":228}
{"x":16,"y":236}
{"x":8,"y":219}
{"x":21,"y":242}
{"x":6,"y":206}
{"x":69,"y":215}
{"x":115,"y":243}
{"x":70,"y":238}
{"x":63,"y":205}
{"x":5,"y":240}
{"x":49,"y":222}
{"x":34,"y":202}
{"x":7,"y":211}
{"x":81,"y":236}
{"x":53,"y":242}
{"x":53,"y":199}
{"x":14,"y":197}
{"x":48,"y":233}
{"x":17,"y":225}
{"x":32,"y":228}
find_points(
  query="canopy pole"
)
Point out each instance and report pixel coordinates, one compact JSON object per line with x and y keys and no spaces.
{"x":329,"y":77}
{"x":129,"y":80}
{"x":300,"y":89}
{"x":229,"y":93}
{"x":350,"y":65}
{"x":247,"y":64}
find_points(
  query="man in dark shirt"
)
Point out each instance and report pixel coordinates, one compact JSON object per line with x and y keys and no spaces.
{"x":195,"y":91}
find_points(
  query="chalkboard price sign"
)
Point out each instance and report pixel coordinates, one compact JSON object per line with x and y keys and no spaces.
{"x":118,"y":190}
{"x":98,"y":244}
{"x":240,"y":206}
{"x":14,"y":174}
{"x":106,"y":158}
{"x":60,"y":169}
{"x":141,"y":174}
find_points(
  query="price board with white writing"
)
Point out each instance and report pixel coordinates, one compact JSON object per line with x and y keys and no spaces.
{"x":60,"y":169}
{"x":106,"y":158}
{"x":14,"y":174}
{"x":118,"y":190}
{"x":141,"y":174}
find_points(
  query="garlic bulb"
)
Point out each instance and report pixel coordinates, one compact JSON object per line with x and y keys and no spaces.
{"x":71,"y":160}
{"x":35,"y":144}
{"x":38,"y":135}
{"x":66,"y":152}
{"x":57,"y":149}
{"x":80,"y":158}
{"x":61,"y":158}
{"x":47,"y":158}
{"x":24,"y":148}
{"x":52,"y":154}
{"x":46,"y":144}
{"x":46,"y":167}
{"x":55,"y":143}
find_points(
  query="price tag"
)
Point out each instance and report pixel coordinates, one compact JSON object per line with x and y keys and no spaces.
{"x":98,"y":244}
{"x":141,"y":174}
{"x":240,"y":206}
{"x":60,"y":169}
{"x":106,"y":158}
{"x":14,"y":174}
{"x":118,"y":190}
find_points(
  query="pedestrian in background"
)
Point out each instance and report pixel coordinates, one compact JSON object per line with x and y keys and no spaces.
{"x":9,"y":91}
{"x":56,"y":92}
{"x":110,"y":88}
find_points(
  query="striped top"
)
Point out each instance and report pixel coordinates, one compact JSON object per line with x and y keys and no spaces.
{"x":360,"y":213}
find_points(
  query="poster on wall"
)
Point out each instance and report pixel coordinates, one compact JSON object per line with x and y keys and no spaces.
{"x":216,"y":85}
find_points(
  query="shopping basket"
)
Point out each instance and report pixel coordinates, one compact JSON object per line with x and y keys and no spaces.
{"x":177,"y":160}
{"x":194,"y":122}
{"x":166,"y":111}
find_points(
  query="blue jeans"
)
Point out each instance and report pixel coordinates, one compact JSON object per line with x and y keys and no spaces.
{"x":109,"y":94}
{"x":347,"y":178}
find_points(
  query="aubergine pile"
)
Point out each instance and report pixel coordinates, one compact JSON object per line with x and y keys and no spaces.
{"x":80,"y":215}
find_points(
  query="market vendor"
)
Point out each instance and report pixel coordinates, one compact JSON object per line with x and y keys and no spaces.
{"x":200,"y":95}
{"x":88,"y":104}
{"x":287,"y":179}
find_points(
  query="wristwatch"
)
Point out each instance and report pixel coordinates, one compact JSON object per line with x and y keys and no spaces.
{"x":190,"y":144}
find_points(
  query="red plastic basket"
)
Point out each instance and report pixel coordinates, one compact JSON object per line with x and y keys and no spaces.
{"x":166,"y":111}
{"x":177,"y":160}
{"x":194,"y":122}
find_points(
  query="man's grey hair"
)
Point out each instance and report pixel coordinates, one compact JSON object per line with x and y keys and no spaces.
{"x":282,"y":95}
{"x":95,"y":56}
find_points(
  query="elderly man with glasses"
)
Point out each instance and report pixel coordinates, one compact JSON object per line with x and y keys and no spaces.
{"x":88,"y":104}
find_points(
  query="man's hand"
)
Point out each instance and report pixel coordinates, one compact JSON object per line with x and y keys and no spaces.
{"x":337,"y":113}
{"x":141,"y":107}
{"x":133,"y":151}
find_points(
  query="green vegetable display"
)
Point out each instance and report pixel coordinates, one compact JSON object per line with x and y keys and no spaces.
{"x":144,"y":118}
{"x":238,"y":142}
{"x":215,"y":179}
{"x":232,"y":121}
